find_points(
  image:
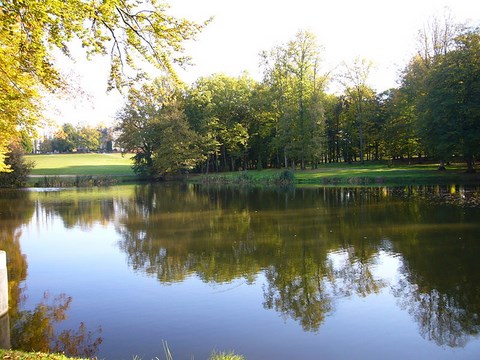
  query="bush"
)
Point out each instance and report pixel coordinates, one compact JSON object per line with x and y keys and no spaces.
{"x":243,"y":178}
{"x":19,"y":168}
{"x":286,"y":177}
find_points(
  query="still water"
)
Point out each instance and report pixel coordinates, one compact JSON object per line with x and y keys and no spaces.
{"x":306,"y":273}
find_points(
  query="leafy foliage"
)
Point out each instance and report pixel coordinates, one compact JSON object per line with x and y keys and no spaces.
{"x":35,"y":330}
{"x":219,"y":109}
{"x":296,"y":84}
{"x":288,"y":120}
{"x":153,"y":126}
{"x":445,"y":88}
{"x":19,"y":168}
{"x":131,"y":32}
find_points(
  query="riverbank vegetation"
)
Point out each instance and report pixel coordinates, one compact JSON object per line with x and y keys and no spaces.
{"x":369,"y":174}
{"x":80,"y":170}
{"x":20,"y":355}
{"x":60,"y":170}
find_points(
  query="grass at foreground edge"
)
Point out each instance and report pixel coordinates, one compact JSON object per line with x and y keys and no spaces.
{"x":20,"y":355}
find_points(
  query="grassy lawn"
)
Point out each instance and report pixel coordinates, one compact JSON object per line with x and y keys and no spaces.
{"x":370,"y":173}
{"x":382,"y":173}
{"x":82,"y":164}
{"x":358,"y":174}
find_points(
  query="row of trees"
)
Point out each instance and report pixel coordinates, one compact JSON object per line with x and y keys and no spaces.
{"x":69,"y":138}
{"x":222,"y":123}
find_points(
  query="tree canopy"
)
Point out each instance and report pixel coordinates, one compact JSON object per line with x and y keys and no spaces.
{"x":130,"y":32}
{"x":153,"y":126}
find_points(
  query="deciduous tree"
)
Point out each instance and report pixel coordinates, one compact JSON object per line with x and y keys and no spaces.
{"x":218,"y":108}
{"x":130,"y":32}
{"x":293,"y":72}
{"x":450,"y":105}
{"x":355,"y":80}
{"x":154,"y":127}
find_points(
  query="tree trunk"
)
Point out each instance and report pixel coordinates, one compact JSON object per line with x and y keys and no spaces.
{"x":224,"y":156}
{"x":470,"y":164}
{"x":442,"y":167}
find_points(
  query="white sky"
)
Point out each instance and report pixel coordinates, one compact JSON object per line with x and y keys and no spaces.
{"x":381,"y":31}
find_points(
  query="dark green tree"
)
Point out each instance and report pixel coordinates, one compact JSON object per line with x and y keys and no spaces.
{"x":19,"y":167}
{"x":399,"y":132}
{"x":293,"y":73}
{"x":450,"y":106}
{"x":26,"y":141}
{"x":219,"y":109}
{"x":153,"y":126}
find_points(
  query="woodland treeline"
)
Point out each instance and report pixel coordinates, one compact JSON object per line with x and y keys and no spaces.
{"x":223,"y":123}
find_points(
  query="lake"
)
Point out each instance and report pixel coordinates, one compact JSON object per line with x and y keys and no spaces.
{"x":305,"y":273}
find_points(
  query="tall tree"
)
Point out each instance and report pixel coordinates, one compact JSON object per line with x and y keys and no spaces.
{"x":354,"y":78}
{"x":399,"y":132}
{"x":435,"y":40}
{"x":65,"y":139}
{"x":88,"y":138}
{"x":293,"y":72}
{"x":137,"y":120}
{"x":129,"y":31}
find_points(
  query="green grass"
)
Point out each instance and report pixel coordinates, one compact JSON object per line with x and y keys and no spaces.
{"x":81,"y":164}
{"x":20,"y":355}
{"x":370,"y":173}
{"x":354,"y":174}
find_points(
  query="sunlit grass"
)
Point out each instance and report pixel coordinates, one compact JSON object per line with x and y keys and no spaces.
{"x":82,"y":164}
{"x":225,"y":356}
{"x":369,"y":173}
{"x":357,"y":174}
{"x":20,"y":355}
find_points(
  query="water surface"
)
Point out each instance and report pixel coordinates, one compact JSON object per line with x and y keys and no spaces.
{"x":309,"y":273}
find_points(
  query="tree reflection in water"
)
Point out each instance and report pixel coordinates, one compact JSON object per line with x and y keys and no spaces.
{"x":441,"y":291}
{"x":314,"y":246}
{"x":34,"y":330}
{"x":438,"y":316}
{"x":306,"y":291}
